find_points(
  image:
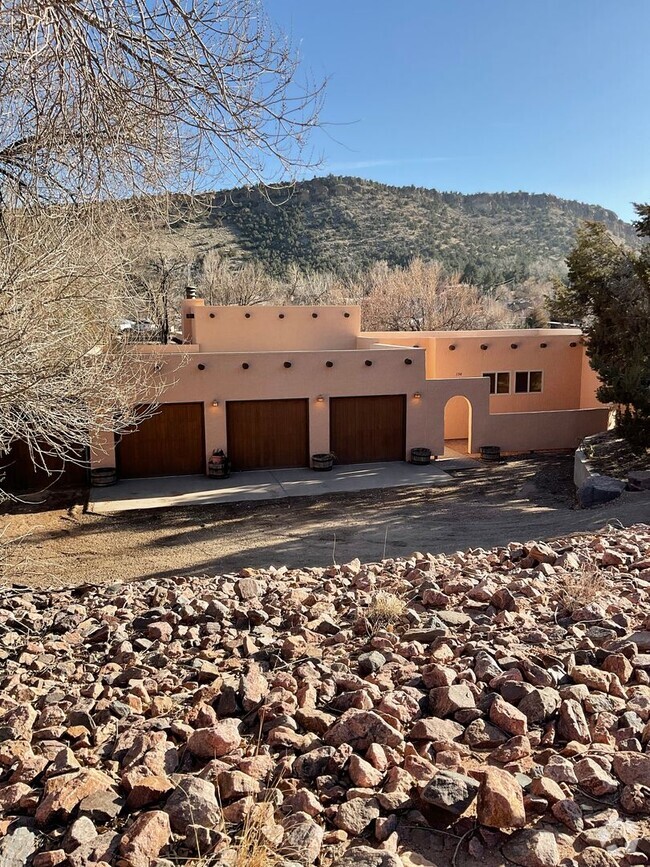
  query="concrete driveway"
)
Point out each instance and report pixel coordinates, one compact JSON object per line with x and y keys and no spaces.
{"x":169,"y":491}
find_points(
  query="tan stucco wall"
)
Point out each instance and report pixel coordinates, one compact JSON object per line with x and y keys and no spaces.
{"x":589,"y":382}
{"x":224,"y":379}
{"x":227,"y":339}
{"x":563,"y":383}
{"x":261,"y":328}
{"x":517,"y":432}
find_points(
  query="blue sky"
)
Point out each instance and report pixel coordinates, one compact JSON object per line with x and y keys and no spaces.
{"x":483,"y":95}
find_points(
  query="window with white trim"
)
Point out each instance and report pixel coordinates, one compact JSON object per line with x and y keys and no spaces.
{"x":528,"y":381}
{"x":499,"y":382}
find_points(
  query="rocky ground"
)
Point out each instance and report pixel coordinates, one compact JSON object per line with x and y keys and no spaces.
{"x":484,"y":707}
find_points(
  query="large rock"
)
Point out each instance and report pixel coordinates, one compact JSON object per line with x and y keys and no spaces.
{"x":540,"y":704}
{"x":632,"y":768}
{"x":507,"y":717}
{"x":594,"y":778}
{"x":355,"y":815}
{"x":193,"y":802}
{"x":572,"y":724}
{"x":145,"y":839}
{"x":215,"y":741}
{"x":446,"y":700}
{"x":303,"y":839}
{"x":17,"y":846}
{"x":599,"y":489}
{"x":636,"y":799}
{"x":638,"y":480}
{"x":62,"y":794}
{"x":531,"y":848}
{"x":642,"y":640}
{"x":359,"y":729}
{"x":435,"y":730}
{"x":451,"y":792}
{"x":592,"y":856}
{"x":500,"y":802}
{"x":364,"y":856}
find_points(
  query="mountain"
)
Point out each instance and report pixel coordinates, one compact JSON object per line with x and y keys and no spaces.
{"x":344,"y":224}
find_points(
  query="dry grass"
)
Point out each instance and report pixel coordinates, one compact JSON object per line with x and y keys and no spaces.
{"x":251,"y":844}
{"x":385,"y":608}
{"x":253,"y":847}
{"x":579,"y":588}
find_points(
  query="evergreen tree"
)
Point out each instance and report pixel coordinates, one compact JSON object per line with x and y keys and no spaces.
{"x":608,"y":292}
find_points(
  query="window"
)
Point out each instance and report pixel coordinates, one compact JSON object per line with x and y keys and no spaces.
{"x":528,"y":381}
{"x":499,"y":382}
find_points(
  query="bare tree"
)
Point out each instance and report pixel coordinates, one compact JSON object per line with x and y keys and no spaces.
{"x":225,"y":282}
{"x":105,"y":103}
{"x":65,"y":372}
{"x":158,"y":283}
{"x":310,"y":287}
{"x":120,"y":97}
{"x":422,"y":297}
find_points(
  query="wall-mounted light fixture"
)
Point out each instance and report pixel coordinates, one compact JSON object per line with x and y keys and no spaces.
{"x":417,"y":395}
{"x":320,"y":399}
{"x":215,"y":402}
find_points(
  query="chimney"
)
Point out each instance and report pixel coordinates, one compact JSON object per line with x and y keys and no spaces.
{"x":191,"y":292}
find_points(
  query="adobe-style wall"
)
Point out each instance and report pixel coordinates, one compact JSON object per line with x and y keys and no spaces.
{"x":561,"y":361}
{"x":531,"y":431}
{"x":270,"y":329}
{"x":589,"y":382}
{"x":206,"y":377}
{"x":271,"y":353}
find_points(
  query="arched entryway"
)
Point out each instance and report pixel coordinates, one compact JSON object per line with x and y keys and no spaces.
{"x":458,"y":425}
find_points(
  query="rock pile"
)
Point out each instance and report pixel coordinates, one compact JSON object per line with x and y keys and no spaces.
{"x":470,"y":708}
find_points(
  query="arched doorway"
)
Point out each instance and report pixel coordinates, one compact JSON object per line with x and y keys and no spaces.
{"x":458,"y":425}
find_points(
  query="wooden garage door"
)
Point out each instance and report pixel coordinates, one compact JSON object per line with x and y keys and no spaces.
{"x":21,"y":476}
{"x":368,"y":429}
{"x":267,"y":434}
{"x":169,"y":443}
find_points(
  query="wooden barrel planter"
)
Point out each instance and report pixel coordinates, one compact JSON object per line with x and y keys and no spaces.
{"x":491,"y":454}
{"x":102,"y":477}
{"x":421,"y":456}
{"x":322,"y":462}
{"x":219,"y":465}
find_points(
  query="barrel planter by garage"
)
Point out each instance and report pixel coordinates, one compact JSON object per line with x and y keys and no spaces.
{"x":491,"y":454}
{"x":421,"y":456}
{"x":219,"y":465}
{"x":103,"y":477}
{"x":322,"y":462}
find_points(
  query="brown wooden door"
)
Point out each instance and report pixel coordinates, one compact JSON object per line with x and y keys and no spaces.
{"x":21,"y":476}
{"x":368,"y":429}
{"x":169,"y":443}
{"x":267,"y":434}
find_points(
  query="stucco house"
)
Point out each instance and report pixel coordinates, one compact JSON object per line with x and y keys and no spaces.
{"x":271,"y":386}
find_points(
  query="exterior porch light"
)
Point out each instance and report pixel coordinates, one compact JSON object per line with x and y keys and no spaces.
{"x":320,"y":399}
{"x":215,"y":402}
{"x":417,"y":395}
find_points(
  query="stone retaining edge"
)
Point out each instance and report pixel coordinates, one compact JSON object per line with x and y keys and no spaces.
{"x":582,"y":468}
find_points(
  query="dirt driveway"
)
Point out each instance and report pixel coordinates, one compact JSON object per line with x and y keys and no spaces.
{"x":485,"y":506}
